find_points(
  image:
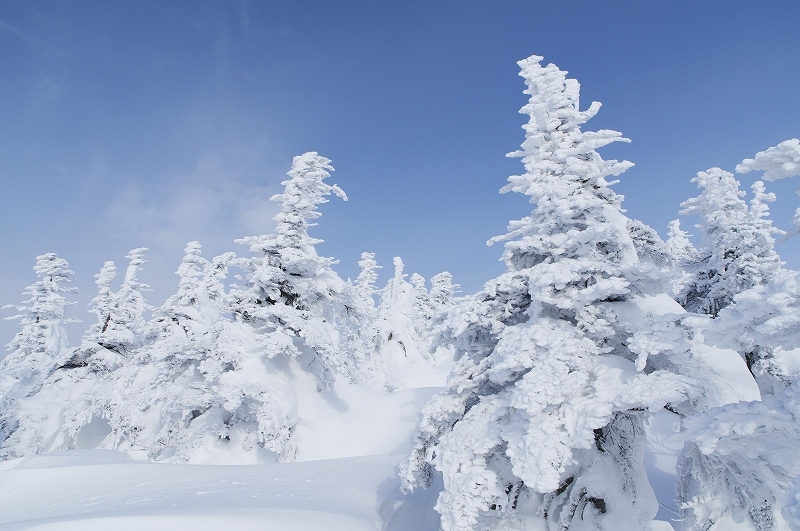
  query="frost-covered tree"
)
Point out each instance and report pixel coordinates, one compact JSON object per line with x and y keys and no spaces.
{"x":166,"y":399}
{"x":42,"y":342}
{"x":542,"y":417}
{"x":683,"y":255}
{"x":291,"y":294}
{"x":367,"y":277}
{"x":737,"y":252}
{"x":442,"y":289}
{"x":120,"y":327}
{"x":403,"y":314}
{"x":38,"y":349}
{"x":777,"y":162}
{"x":423,"y":309}
{"x":739,"y":458}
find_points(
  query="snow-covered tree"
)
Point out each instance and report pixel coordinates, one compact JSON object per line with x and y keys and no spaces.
{"x":367,"y":277}
{"x":423,"y":309}
{"x":778,"y":162}
{"x":738,"y":247}
{"x":38,"y":349}
{"x":156,"y":400}
{"x":739,"y":458}
{"x":442,"y":289}
{"x":403,"y":314}
{"x":542,"y":417}
{"x":291,"y":294}
{"x":683,"y":254}
{"x":42,"y":342}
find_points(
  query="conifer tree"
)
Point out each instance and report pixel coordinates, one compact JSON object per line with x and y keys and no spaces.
{"x":155,"y":400}
{"x":367,"y":277}
{"x":292,"y":292}
{"x":738,"y":247}
{"x":442,"y":289}
{"x":37,"y":350}
{"x":739,"y":459}
{"x":423,"y":309}
{"x":778,"y":162}
{"x":42,"y":342}
{"x":542,"y":417}
{"x":683,"y":256}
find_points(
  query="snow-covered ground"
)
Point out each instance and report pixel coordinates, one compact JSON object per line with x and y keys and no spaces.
{"x":97,"y":489}
{"x":100,"y":490}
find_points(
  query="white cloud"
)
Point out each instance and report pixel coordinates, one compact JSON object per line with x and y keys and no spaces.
{"x":208,"y":205}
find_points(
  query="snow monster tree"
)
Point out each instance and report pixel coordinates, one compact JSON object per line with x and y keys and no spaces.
{"x":542,"y":417}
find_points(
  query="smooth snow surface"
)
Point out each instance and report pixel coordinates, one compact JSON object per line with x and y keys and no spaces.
{"x":103,"y":490}
{"x":98,"y":490}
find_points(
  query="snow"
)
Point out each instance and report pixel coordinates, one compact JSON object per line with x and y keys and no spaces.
{"x":101,"y":490}
{"x":572,"y":391}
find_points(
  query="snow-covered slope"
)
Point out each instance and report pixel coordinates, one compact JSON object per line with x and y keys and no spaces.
{"x":99,"y":490}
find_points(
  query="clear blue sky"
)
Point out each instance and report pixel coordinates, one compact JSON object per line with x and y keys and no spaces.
{"x":126,"y":124}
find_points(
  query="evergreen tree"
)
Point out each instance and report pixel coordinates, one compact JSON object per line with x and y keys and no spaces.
{"x":35,"y":352}
{"x":160,"y":400}
{"x":542,"y":417}
{"x":777,"y":162}
{"x":738,"y":247}
{"x":683,"y":255}
{"x":423,"y":309}
{"x":442,"y":289}
{"x":42,"y":342}
{"x":739,"y":459}
{"x":366,"y":279}
{"x":291,"y":294}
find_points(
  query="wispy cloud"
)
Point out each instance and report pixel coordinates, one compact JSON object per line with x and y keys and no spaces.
{"x":206,"y":205}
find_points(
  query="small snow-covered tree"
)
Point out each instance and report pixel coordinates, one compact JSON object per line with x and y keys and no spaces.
{"x":38,"y":349}
{"x":442,"y":289}
{"x":542,"y":417}
{"x":738,"y":247}
{"x":365,"y":281}
{"x":683,"y":254}
{"x":42,"y":342}
{"x":423,"y":309}
{"x":778,"y":162}
{"x":120,"y":327}
{"x":154,"y":401}
{"x":402,"y":315}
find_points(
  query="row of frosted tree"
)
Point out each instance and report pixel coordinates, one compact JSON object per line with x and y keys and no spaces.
{"x":596,"y":325}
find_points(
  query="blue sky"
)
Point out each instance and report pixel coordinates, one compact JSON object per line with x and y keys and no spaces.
{"x":126,"y":124}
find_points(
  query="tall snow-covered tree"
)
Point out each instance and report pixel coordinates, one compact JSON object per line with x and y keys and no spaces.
{"x":38,"y":349}
{"x":739,"y":459}
{"x":542,"y":417}
{"x":367,"y":277}
{"x":738,"y":247}
{"x":291,"y":294}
